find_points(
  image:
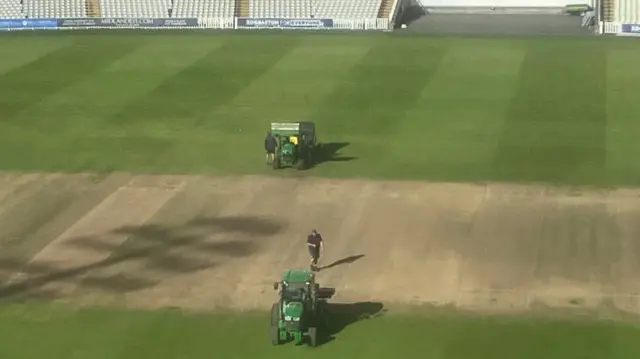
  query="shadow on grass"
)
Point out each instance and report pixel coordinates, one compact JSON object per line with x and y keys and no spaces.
{"x":170,"y":250}
{"x":346,"y":260}
{"x":330,"y":152}
{"x":341,"y":315}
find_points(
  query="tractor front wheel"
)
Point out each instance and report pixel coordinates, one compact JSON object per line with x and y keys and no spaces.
{"x":313,"y":336}
{"x":300,"y":164}
{"x":275,"y":320}
{"x":276,"y":162}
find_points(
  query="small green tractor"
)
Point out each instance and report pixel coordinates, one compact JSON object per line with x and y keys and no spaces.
{"x":299,"y":313}
{"x":296,"y":144}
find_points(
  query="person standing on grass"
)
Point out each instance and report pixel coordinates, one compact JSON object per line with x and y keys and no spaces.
{"x":270,"y":146}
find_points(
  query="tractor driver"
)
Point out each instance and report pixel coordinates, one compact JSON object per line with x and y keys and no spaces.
{"x":316,"y":246}
{"x":270,"y":144}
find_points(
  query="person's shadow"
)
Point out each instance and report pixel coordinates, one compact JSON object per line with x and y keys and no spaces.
{"x":346,"y":260}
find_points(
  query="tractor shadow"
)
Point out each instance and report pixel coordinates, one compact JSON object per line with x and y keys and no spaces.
{"x":346,"y":260}
{"x":341,"y":315}
{"x":330,"y":152}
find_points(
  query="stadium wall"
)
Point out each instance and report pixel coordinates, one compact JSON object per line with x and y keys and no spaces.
{"x":235,"y":23}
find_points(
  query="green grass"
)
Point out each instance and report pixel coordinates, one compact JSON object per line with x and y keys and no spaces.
{"x":560,"y":110}
{"x":110,"y":334}
{"x":557,"y":110}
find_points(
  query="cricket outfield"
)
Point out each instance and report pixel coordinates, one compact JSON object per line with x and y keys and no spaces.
{"x":490,"y":176}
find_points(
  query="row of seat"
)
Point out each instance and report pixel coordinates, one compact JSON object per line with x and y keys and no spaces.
{"x":191,"y":8}
{"x":204,"y":8}
{"x":342,"y":9}
{"x":16,"y":9}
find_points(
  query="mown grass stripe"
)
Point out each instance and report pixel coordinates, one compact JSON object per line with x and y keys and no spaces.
{"x":623,"y":109}
{"x":87,"y":102}
{"x":381,"y":87}
{"x":16,"y":55}
{"x":457,"y":121}
{"x":190,"y":95}
{"x":29,"y":84}
{"x":555,"y":130}
{"x":309,"y":73}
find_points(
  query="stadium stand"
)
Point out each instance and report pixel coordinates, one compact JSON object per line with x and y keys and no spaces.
{"x":280,"y":8}
{"x":10,"y":9}
{"x":203,"y":8}
{"x":135,"y":8}
{"x":339,"y":9}
{"x":347,"y":9}
{"x":55,"y":8}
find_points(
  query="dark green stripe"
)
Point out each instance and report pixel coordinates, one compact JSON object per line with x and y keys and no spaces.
{"x":32,"y":83}
{"x":555,"y":128}
{"x":381,"y":88}
{"x":210,"y":82}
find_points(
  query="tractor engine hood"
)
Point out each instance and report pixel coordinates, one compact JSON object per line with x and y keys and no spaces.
{"x":288,"y":148}
{"x":293,"y":311}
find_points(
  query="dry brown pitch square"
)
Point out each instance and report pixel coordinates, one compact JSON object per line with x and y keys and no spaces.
{"x":202,"y":242}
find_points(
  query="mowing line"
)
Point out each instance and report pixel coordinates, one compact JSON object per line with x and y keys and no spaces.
{"x":555,"y":131}
{"x":461,"y":110}
{"x":623,"y":110}
{"x":304,"y":77}
{"x":16,"y":52}
{"x":34,"y":82}
{"x":380,"y":88}
{"x":86,"y":103}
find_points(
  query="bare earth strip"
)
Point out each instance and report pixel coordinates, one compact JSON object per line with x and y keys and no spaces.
{"x":206,"y":243}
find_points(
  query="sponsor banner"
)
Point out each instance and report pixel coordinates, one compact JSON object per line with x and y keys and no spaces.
{"x":77,"y":22}
{"x":264,"y":23}
{"x":129,"y":22}
{"x":9,"y":24}
{"x":631,"y":28}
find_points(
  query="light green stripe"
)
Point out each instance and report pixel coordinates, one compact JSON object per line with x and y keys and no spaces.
{"x":474,"y":84}
{"x":311,"y":72}
{"x":623,"y":109}
{"x":98,"y":96}
{"x":16,"y":52}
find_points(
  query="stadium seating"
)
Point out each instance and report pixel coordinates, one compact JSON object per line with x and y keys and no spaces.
{"x":54,"y":8}
{"x":10,"y":9}
{"x":280,"y":8}
{"x":342,"y":9}
{"x":135,"y":8}
{"x":346,"y":9}
{"x":203,"y":8}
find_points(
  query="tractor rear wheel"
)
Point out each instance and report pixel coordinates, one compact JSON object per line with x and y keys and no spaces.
{"x":276,"y":162}
{"x":313,"y":336}
{"x":300,"y":164}
{"x":274,"y":330}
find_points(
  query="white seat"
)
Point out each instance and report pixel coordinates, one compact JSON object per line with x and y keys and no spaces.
{"x":204,"y":8}
{"x":55,"y":8}
{"x":10,"y":9}
{"x":135,"y":8}
{"x":337,"y":9}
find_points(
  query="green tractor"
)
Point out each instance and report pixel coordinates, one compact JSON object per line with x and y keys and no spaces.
{"x":300,"y":311}
{"x":296,"y":144}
